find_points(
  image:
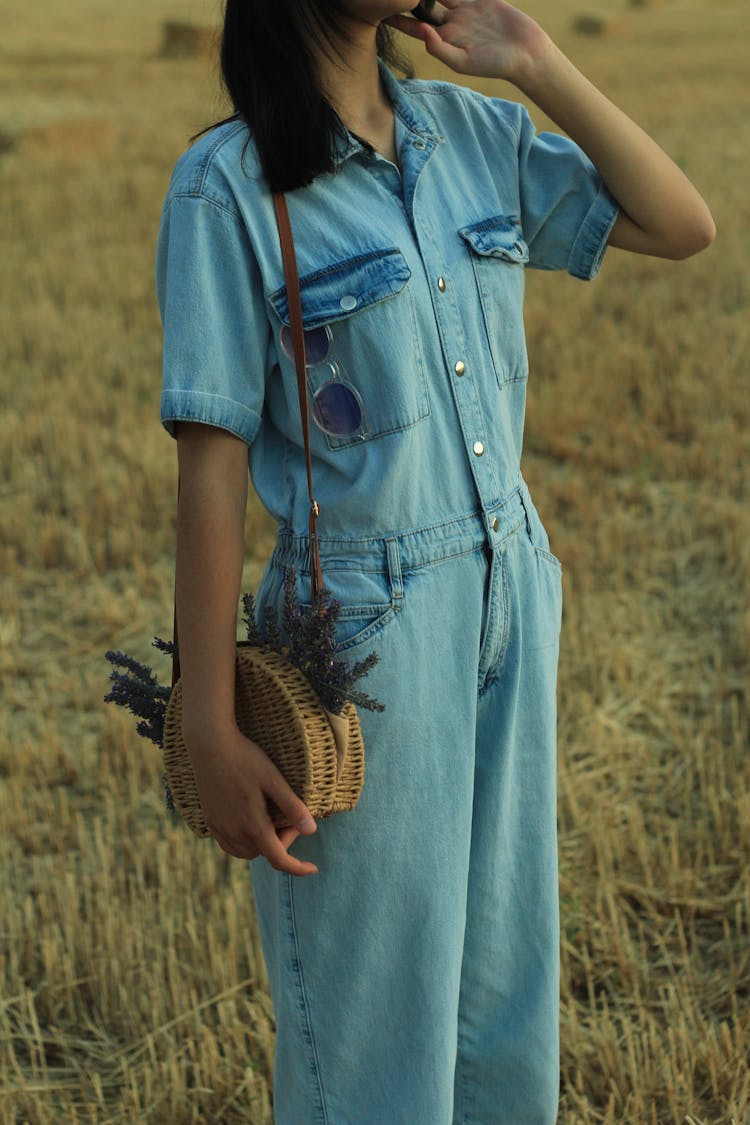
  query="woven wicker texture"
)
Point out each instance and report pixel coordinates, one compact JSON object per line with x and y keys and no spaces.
{"x":276,"y":707}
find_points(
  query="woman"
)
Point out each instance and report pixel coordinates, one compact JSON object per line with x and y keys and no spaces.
{"x":415,"y":975}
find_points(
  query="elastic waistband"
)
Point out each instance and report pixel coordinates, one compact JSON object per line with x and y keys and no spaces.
{"x":416,"y":547}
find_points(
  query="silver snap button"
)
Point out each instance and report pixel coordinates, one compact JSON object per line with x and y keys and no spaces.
{"x":495,"y":524}
{"x":478,"y":448}
{"x":419,"y":144}
{"x":441,"y":284}
{"x":348,"y":302}
{"x":460,"y":367}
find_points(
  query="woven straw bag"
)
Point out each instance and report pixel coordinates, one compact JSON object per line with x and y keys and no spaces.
{"x":320,"y":754}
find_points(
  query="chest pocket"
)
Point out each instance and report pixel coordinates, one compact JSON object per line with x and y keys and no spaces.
{"x":498,"y":256}
{"x":365,"y":305}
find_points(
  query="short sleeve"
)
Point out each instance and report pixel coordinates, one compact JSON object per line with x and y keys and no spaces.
{"x":567,"y":211}
{"x":212,"y":307}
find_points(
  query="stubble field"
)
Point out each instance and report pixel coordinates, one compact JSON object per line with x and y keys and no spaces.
{"x":132,"y":983}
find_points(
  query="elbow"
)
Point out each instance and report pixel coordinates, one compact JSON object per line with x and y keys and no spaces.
{"x":695,"y":236}
{"x":675,"y":238}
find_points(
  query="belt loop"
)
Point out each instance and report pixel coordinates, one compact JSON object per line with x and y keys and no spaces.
{"x":526,"y":504}
{"x":394,"y":569}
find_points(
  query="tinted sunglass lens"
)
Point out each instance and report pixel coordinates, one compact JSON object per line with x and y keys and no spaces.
{"x":336,"y":409}
{"x":317,"y":344}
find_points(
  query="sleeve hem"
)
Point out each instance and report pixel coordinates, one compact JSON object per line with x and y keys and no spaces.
{"x":587,"y":252}
{"x":214,"y":410}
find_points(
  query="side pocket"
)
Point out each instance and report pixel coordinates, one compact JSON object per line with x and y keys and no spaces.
{"x":537,"y":534}
{"x":542,"y":584}
{"x":369,"y":591}
{"x":549,"y":557}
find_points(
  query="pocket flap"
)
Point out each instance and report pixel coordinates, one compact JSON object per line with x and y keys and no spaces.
{"x":498,"y":237}
{"x":343,"y":288}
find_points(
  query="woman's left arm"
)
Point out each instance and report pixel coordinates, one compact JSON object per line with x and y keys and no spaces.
{"x":661,"y":213}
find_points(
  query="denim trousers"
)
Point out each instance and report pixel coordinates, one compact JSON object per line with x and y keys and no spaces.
{"x":415,"y":978}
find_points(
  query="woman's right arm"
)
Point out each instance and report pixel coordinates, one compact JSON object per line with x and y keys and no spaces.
{"x":233,"y":774}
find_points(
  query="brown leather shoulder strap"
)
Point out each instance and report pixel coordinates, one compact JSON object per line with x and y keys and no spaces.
{"x":298,"y":336}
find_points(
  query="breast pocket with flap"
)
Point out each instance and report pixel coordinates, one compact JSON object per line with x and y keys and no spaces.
{"x":370,"y":340}
{"x":499,"y":255}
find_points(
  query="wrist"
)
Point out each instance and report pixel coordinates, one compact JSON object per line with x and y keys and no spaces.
{"x":540,"y":70}
{"x":203,"y":731}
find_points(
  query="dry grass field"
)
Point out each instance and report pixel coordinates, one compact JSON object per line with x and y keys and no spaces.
{"x":132,"y":983}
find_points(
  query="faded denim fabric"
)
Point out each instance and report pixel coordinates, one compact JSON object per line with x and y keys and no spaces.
{"x":415,"y":978}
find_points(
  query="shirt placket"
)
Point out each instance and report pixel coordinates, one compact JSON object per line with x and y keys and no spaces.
{"x":461,"y":367}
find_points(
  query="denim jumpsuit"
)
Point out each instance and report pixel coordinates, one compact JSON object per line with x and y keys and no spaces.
{"x":415,"y":978}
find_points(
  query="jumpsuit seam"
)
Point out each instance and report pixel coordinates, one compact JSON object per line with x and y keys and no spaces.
{"x":402,"y":534}
{"x":286,"y":475}
{"x":198,"y":181}
{"x":443,"y":558}
{"x":303,"y":1001}
{"x":339,"y":267}
{"x":204,"y":196}
{"x":286,"y":532}
{"x":460,"y":1119}
{"x":381,"y":570}
{"x":527,"y":516}
{"x":333,"y":563}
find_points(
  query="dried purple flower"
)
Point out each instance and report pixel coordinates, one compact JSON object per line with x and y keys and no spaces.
{"x":248,"y":618}
{"x":311,"y":646}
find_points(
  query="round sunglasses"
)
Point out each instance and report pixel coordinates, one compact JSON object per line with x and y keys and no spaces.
{"x":337,"y":407}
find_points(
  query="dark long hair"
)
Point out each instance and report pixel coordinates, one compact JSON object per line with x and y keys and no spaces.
{"x":270,"y":73}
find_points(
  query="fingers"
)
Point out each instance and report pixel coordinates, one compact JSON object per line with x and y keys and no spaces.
{"x":268,"y":844}
{"x":273,"y":842}
{"x":236,"y":850}
{"x":408,"y":25}
{"x":428,"y":33}
{"x":287,"y":836}
{"x":293,"y":808}
{"x":262,"y":837}
{"x":279,"y":857}
{"x":427,"y":14}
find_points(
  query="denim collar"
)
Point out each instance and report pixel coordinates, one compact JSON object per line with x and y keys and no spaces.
{"x":402,"y":105}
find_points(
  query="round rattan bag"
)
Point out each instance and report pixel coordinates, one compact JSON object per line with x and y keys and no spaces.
{"x":321,"y":754}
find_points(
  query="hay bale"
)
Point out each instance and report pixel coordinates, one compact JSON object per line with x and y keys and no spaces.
{"x":187,"y":40}
{"x":598,"y":23}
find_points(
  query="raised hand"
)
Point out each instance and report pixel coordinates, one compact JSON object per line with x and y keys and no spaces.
{"x":486,"y":38}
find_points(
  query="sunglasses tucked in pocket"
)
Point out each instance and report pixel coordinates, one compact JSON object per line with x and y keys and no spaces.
{"x":365,"y":368}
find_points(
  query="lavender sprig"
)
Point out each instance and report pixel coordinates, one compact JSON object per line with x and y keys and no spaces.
{"x":248,"y":618}
{"x":139,"y":690}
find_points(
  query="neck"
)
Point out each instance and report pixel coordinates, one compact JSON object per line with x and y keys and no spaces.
{"x":351,"y":81}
